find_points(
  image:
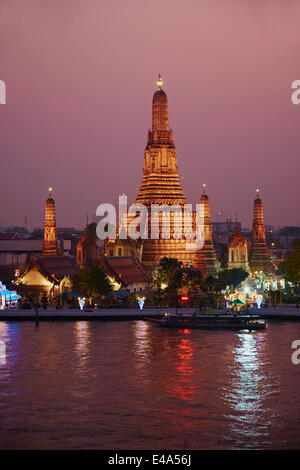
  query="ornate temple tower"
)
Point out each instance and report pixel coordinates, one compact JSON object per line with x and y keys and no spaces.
{"x":238,"y":251}
{"x":161,"y":183}
{"x":206,"y":258}
{"x":50,"y":246}
{"x":260,"y":259}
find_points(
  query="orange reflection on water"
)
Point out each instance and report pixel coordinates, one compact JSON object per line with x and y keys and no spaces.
{"x":184,"y":387}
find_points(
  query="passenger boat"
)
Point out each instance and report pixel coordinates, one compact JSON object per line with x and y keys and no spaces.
{"x":220,"y":321}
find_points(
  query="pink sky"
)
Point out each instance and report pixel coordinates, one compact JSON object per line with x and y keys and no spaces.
{"x":80,"y":75}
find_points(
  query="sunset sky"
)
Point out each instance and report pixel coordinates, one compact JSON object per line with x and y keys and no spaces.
{"x":80,"y":75}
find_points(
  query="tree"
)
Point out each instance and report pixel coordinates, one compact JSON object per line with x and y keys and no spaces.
{"x":291,"y":267}
{"x":227,"y":277}
{"x":6,"y":276}
{"x":168,"y":276}
{"x":212,"y":284}
{"x":92,"y":281}
{"x":171,"y":275}
{"x":232,"y":277}
{"x":191,"y":277}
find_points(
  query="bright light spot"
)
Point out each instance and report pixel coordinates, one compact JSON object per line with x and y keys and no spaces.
{"x":159,"y":83}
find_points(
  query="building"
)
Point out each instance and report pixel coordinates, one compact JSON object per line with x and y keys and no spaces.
{"x":50,"y":245}
{"x":238,"y":251}
{"x":125,"y":273}
{"x":49,"y":274}
{"x":89,"y":248}
{"x":119,"y":247}
{"x":206,"y":258}
{"x":260,"y":257}
{"x":223,"y":230}
{"x":161,"y":185}
{"x":15,"y":255}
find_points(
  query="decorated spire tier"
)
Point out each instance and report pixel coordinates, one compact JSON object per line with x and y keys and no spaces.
{"x":260,"y":258}
{"x":50,"y":245}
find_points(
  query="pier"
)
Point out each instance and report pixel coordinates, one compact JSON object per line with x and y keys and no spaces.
{"x":281,"y":312}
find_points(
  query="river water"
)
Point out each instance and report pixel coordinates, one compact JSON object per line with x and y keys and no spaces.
{"x":131,"y":385}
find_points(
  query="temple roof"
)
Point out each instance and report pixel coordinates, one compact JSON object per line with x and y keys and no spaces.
{"x":59,"y":266}
{"x":126,"y":269}
{"x":56,"y":267}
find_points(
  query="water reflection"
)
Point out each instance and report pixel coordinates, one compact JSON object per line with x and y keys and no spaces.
{"x":3,"y":343}
{"x":10,"y":347}
{"x":184,"y":387}
{"x":82,"y":343}
{"x":246,"y":392}
{"x":142,"y":344}
{"x":122,"y":385}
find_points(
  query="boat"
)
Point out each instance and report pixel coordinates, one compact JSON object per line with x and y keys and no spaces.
{"x":209,"y":321}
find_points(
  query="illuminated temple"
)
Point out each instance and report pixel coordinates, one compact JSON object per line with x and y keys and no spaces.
{"x":161,"y":185}
{"x":50,"y":246}
{"x":260,"y":258}
{"x":206,"y":258}
{"x":131,"y":260}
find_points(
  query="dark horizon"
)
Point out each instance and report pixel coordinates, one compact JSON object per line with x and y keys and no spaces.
{"x":79,"y":104}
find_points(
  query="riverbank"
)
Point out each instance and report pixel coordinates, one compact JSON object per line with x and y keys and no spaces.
{"x":279,"y":313}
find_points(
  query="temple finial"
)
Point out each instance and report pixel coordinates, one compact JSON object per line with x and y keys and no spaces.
{"x":50,"y":191}
{"x":204,"y":188}
{"x":257,"y":193}
{"x":159,"y":82}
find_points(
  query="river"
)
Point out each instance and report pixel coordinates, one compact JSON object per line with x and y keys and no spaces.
{"x":131,"y":385}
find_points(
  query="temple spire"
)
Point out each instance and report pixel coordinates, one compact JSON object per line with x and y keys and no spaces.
{"x":50,"y":246}
{"x":206,"y":258}
{"x":260,"y":259}
{"x":160,"y":119}
{"x":159,"y":82}
{"x":161,"y":182}
{"x":161,"y":185}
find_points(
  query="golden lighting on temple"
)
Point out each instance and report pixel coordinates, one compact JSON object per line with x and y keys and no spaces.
{"x":159,"y":82}
{"x":50,"y":245}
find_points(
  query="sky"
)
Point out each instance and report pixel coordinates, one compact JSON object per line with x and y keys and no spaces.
{"x":80,"y":76}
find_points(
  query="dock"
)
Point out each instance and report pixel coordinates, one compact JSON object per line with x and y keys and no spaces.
{"x":281,"y":312}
